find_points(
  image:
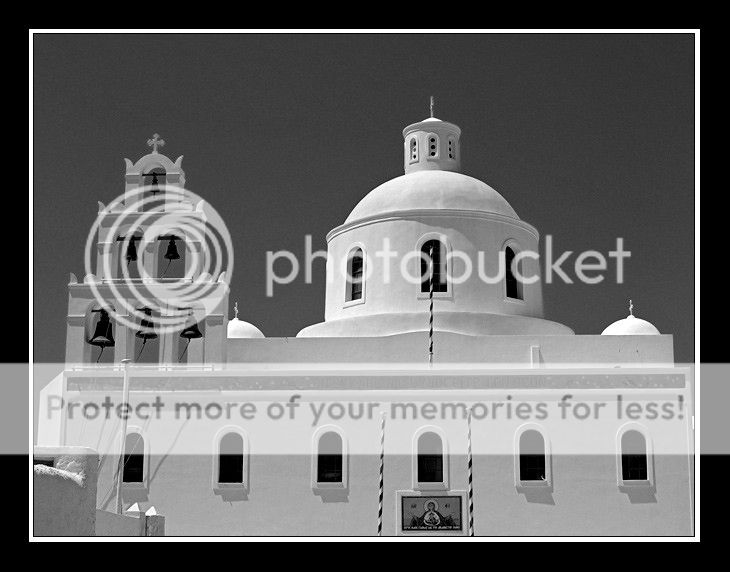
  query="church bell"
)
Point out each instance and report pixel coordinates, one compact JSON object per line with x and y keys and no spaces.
{"x":102,"y":337}
{"x":147,"y":328}
{"x":192,"y":332}
{"x":131,"y":251}
{"x":172,"y":253}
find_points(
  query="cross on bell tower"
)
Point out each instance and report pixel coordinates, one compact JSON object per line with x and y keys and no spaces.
{"x":155,"y":142}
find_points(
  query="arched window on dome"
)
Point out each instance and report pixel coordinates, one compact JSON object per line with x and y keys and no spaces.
{"x":435,"y":251}
{"x":355,"y":280}
{"x":452,"y":148}
{"x":413,"y":149}
{"x":513,"y":286}
{"x":433,"y":146}
{"x":634,"y":458}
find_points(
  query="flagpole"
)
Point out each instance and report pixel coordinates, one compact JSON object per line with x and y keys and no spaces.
{"x":430,"y":305}
{"x":469,"y":469}
{"x":123,"y":436}
{"x":382,"y":456}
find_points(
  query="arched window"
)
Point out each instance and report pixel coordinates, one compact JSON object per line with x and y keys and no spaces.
{"x":532,"y":456}
{"x":435,"y":250}
{"x":414,"y":149}
{"x":634,"y":462}
{"x":430,"y":467}
{"x":230,"y":458}
{"x":133,"y":471}
{"x":329,"y":458}
{"x":433,"y":146}
{"x":354,"y":275}
{"x":452,"y":148}
{"x":513,"y":285}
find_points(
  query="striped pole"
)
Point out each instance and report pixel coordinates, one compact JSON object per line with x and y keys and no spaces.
{"x":430,"y":305}
{"x":469,"y":469}
{"x":382,"y":455}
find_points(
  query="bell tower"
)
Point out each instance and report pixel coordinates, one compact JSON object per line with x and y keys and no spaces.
{"x":146,"y":295}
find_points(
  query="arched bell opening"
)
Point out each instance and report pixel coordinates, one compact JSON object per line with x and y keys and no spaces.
{"x":188,"y":344}
{"x":147,"y":338}
{"x":171,"y":256}
{"x":129,"y":256}
{"x":154,"y":181}
{"x":99,"y":333}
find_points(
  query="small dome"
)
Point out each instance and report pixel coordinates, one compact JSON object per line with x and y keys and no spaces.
{"x":240,"y":329}
{"x":630,"y":326}
{"x":432,"y":190}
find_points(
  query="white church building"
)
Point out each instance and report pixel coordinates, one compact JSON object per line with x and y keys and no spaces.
{"x":442,"y":406}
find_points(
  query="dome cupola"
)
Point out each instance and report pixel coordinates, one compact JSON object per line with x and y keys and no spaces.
{"x":631,"y":326}
{"x":431,"y":145}
{"x":240,"y":329}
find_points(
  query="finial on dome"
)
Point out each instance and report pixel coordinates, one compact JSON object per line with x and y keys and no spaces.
{"x":631,"y":307}
{"x":433,"y":104}
{"x":235,"y":310}
{"x":155,"y":142}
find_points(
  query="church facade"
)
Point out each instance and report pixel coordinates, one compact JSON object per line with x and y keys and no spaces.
{"x":428,"y":402}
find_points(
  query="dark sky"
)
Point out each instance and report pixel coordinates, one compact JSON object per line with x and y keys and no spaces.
{"x":589,"y":137}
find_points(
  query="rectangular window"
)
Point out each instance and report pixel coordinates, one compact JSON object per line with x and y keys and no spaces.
{"x":633,"y":467}
{"x":430,"y":468}
{"x":230,"y":468}
{"x":532,"y":468}
{"x":329,"y":468}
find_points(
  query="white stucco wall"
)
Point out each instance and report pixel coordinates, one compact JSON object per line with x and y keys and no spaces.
{"x":64,"y":496}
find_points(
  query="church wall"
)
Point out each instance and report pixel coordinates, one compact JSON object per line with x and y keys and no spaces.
{"x":452,"y":348}
{"x":281,"y":500}
{"x":279,"y":497}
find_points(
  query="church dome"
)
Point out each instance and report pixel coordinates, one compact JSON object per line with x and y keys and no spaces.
{"x":432,"y":207}
{"x":431,"y":190}
{"x":631,"y":326}
{"x":240,"y":329}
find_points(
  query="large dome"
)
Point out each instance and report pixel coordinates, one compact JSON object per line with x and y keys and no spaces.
{"x":431,"y":190}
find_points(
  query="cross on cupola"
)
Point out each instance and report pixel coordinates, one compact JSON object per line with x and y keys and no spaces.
{"x":155,"y":142}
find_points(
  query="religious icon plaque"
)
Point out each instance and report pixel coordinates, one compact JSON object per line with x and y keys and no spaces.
{"x":431,"y":513}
